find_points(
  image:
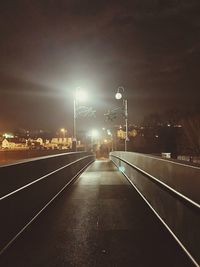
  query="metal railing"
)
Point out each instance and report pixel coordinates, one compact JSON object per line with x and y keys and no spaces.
{"x":27,"y":188}
{"x":158,"y":181}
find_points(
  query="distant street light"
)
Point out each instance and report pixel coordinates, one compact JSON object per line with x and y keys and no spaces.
{"x":118,"y":96}
{"x":80,"y":96}
{"x":110,"y":136}
{"x":63,"y":131}
{"x":94,"y":133}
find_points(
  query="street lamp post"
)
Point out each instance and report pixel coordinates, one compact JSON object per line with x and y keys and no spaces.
{"x":119,"y":96}
{"x":74,"y":127}
{"x":79,"y":96}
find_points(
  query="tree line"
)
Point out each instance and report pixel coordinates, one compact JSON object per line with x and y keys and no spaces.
{"x":174,"y":131}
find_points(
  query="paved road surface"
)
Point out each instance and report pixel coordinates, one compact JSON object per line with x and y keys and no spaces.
{"x":99,"y":221}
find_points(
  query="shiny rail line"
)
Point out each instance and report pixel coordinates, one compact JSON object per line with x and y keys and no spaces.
{"x":44,"y":177}
{"x":20,"y":207}
{"x":149,"y":186}
{"x":166,"y":187}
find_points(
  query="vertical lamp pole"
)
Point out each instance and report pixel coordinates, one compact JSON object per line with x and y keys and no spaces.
{"x":119,"y":96}
{"x":74,"y":127}
{"x":126,"y":122}
{"x":79,"y":96}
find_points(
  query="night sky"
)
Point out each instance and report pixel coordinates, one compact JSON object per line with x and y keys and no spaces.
{"x":50,"y":47}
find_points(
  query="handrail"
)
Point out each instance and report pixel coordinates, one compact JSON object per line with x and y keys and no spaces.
{"x":164,"y":223}
{"x":21,"y":161}
{"x":41,"y":178}
{"x":39,"y":189}
{"x":162,"y":184}
{"x":46,"y":205}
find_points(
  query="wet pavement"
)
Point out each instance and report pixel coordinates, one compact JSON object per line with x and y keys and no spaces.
{"x":100,"y":220}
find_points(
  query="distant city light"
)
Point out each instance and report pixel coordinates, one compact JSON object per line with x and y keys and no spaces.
{"x":8,"y":135}
{"x":109,"y":132}
{"x":178,"y":126}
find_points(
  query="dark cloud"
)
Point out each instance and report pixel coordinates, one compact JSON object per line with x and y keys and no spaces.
{"x":47,"y":48}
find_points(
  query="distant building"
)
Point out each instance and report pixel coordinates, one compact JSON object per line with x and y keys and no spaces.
{"x":40,"y":141}
{"x":6,"y":144}
{"x":13,"y":143}
{"x":122,"y":134}
{"x":62,"y":143}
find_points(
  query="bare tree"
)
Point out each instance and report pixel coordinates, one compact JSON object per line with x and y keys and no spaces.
{"x":191,"y":131}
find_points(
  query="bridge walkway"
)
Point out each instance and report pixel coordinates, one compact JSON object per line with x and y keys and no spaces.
{"x":100,"y":220}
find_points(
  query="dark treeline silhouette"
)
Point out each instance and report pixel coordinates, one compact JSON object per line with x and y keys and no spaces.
{"x":175,"y":131}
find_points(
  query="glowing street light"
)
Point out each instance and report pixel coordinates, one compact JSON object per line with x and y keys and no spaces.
{"x":94,"y":133}
{"x":110,"y":136}
{"x":80,"y":95}
{"x":118,"y":96}
{"x":63,"y":131}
